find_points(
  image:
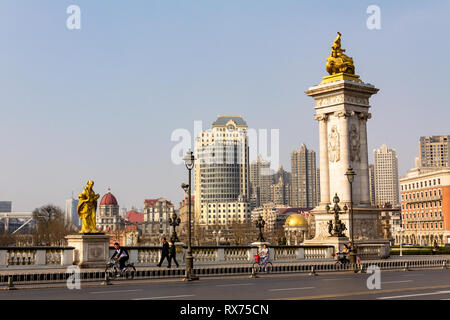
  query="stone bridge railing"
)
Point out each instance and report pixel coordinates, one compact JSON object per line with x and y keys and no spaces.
{"x":150,"y":255}
{"x":23,"y":257}
{"x":35,"y":256}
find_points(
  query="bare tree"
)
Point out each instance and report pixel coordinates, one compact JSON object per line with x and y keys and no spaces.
{"x":243,"y":232}
{"x":50,"y":228}
{"x":7,"y":239}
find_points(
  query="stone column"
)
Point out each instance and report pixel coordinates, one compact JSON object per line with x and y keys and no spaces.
{"x":364,"y":167}
{"x":324,"y":164}
{"x":342,"y":183}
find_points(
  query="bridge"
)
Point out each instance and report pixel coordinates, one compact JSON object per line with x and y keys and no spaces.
{"x":5,"y":217}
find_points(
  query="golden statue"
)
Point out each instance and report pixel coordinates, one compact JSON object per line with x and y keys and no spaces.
{"x":86,"y":208}
{"x":338,"y":62}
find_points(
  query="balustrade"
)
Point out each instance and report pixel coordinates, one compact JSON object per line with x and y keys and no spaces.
{"x":147,"y":256}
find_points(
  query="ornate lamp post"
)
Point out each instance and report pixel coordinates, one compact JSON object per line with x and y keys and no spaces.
{"x":351,"y":177}
{"x":174,"y":221}
{"x":260,"y":223}
{"x":189,"y":160}
{"x":339,"y":227}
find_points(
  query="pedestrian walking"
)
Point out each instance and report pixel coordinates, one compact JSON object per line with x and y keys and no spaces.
{"x":164,"y":252}
{"x":172,"y":254}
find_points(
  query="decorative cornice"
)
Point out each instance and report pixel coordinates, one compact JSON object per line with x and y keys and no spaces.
{"x":321,"y":117}
{"x":344,"y":114}
{"x":364,"y":116}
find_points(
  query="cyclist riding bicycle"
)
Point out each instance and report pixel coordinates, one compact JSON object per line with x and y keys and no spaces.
{"x":264,"y":254}
{"x":120,"y":254}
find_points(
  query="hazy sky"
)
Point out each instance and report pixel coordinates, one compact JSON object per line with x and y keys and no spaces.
{"x":102,"y":102}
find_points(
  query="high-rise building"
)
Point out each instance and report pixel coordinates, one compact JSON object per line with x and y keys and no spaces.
{"x":434,"y":151}
{"x":261,"y":178}
{"x":281,"y":192}
{"x":222,"y":182}
{"x":71,"y":214}
{"x":5,"y":206}
{"x":372,"y":184}
{"x":282,"y":173}
{"x":386,"y":176}
{"x":304,"y":178}
{"x":425,"y":207}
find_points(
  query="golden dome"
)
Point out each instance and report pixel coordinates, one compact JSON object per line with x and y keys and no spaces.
{"x":296,"y":220}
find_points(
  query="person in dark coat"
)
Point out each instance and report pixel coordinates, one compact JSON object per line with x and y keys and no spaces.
{"x":120,"y":254}
{"x":172,"y":254}
{"x":164,"y":252}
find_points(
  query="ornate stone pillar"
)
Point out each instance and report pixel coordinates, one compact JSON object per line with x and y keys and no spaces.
{"x":324,"y":164}
{"x":342,"y":184}
{"x":364,"y":167}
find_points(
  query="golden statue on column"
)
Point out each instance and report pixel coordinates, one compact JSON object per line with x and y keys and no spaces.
{"x":339,"y":62}
{"x":86,"y":208}
{"x":339,"y":65}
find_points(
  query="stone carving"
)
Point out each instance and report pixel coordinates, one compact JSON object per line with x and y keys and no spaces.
{"x":330,"y":100}
{"x":334,"y":145}
{"x":355,"y":145}
{"x":344,"y":114}
{"x":322,"y":230}
{"x":340,"y":98}
{"x":364,"y":116}
{"x":321,"y":117}
{"x":365,"y":229}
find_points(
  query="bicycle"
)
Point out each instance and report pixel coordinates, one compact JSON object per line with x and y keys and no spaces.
{"x":341,"y":259}
{"x":257,"y":265}
{"x":113,"y":270}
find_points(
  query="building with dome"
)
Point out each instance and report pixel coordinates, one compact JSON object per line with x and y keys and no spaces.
{"x":297,"y":229}
{"x":108,"y":217}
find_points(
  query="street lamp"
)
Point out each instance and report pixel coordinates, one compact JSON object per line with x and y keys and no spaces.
{"x":351,"y":177}
{"x":189,"y":160}
{"x":338,"y":229}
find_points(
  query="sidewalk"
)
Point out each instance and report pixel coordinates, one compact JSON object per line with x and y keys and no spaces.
{"x":18,"y":270}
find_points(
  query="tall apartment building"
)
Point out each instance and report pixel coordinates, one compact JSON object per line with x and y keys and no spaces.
{"x":71,"y":215}
{"x":317,"y":185}
{"x":372,"y":184}
{"x":286,"y":175}
{"x":304,"y":178}
{"x":386,"y":176}
{"x":434,"y":151}
{"x":261,"y":178}
{"x":425,"y":200}
{"x":156,"y":217}
{"x":222,"y":182}
{"x":280,"y":192}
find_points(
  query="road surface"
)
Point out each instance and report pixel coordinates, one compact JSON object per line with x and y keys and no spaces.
{"x":404,"y":285}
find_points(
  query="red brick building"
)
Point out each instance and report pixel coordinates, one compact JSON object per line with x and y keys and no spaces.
{"x":425,"y":204}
